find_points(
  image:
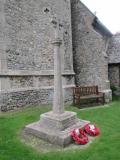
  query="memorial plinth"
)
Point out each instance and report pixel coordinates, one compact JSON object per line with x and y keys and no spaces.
{"x":55,"y":126}
{"x":56,"y":129}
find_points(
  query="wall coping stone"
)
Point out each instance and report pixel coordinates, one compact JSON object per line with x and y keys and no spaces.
{"x":33,"y":73}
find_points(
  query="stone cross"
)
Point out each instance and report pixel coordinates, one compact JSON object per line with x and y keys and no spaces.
{"x":57,"y":25}
{"x":58,"y":103}
{"x":56,"y":126}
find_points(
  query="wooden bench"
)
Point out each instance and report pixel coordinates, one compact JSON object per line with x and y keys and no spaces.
{"x":88,"y":92}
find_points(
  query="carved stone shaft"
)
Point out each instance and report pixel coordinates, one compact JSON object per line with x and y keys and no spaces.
{"x":58,"y":104}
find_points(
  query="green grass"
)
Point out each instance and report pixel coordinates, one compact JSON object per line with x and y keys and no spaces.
{"x":106,"y":147}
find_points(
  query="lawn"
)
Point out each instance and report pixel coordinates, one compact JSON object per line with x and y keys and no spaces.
{"x":106,"y":147}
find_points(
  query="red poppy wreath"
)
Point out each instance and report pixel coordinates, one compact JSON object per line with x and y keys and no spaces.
{"x":92,"y":130}
{"x":79,"y":136}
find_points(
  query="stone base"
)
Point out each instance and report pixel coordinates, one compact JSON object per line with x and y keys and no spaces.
{"x":55,"y":128}
{"x":108,"y":95}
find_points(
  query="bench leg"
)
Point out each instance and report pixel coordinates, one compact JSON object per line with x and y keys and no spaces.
{"x":75,"y":101}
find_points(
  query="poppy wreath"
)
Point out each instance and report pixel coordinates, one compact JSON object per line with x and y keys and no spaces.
{"x":92,"y":130}
{"x":79,"y":136}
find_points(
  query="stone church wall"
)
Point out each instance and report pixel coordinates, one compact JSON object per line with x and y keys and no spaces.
{"x":26,"y":52}
{"x":114,"y":76}
{"x":114,"y":61}
{"x":114,"y":49}
{"x":89,"y":50}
